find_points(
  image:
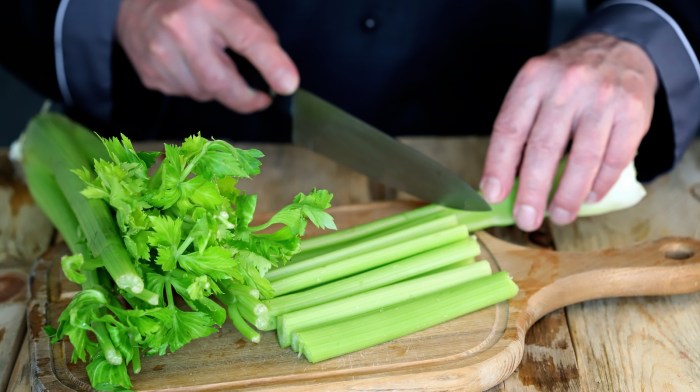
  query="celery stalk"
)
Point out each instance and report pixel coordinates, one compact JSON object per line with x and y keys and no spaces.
{"x":625,"y":193}
{"x":407,"y":290}
{"x":369,"y":260}
{"x":48,"y":196}
{"x":56,"y":148}
{"x":385,"y":324}
{"x":239,"y":289}
{"x":262,"y":320}
{"x":380,"y":241}
{"x":391,"y":273}
{"x":367,"y":229}
{"x":242,"y":326}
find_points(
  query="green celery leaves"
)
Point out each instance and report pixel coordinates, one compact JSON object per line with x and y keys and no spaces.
{"x":187,"y":228}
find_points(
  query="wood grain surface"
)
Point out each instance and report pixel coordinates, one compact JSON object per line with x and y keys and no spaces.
{"x":25,"y":233}
{"x":654,"y":343}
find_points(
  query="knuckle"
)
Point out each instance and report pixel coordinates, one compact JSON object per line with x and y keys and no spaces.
{"x":577,"y":73}
{"x":569,"y":201}
{"x":199,"y":94}
{"x":543,"y":147}
{"x":243,"y":105}
{"x":585,"y":157}
{"x":605,"y":92}
{"x":506,"y":128}
{"x":156,"y":49}
{"x":249,"y":34}
{"x":633,"y":105}
{"x":210,"y":80}
{"x":616,"y":162}
{"x":535,"y":64}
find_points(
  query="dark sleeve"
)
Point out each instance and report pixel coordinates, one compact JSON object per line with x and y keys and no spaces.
{"x":83,"y":40}
{"x":669,"y":32}
{"x":63,"y":49}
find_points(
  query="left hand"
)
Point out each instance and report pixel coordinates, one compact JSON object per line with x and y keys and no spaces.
{"x":596,"y":91}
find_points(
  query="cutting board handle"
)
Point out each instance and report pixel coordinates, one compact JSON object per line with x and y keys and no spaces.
{"x":551,"y":279}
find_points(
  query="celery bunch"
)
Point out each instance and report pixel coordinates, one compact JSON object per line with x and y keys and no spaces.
{"x":144,"y":235}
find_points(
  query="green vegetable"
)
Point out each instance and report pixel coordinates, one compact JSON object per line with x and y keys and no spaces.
{"x":394,"y":272}
{"x":367,"y":230}
{"x":384,"y":324}
{"x":369,"y":260}
{"x":376,"y":243}
{"x":48,"y":141}
{"x":331,"y":312}
{"x":143,"y":235}
{"x":626,"y":192}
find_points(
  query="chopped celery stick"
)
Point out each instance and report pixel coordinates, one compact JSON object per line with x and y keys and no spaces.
{"x":382,"y":325}
{"x":366,"y":261}
{"x":391,"y":273}
{"x":367,"y":229}
{"x":406,"y":290}
{"x":242,"y":326}
{"x":380,"y":241}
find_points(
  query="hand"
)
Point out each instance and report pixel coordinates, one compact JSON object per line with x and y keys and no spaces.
{"x":178,"y":47}
{"x":596,"y":92}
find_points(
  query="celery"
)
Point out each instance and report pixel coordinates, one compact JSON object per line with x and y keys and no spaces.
{"x":182,"y":223}
{"x":378,"y":277}
{"x":367,"y":230}
{"x":379,"y":326}
{"x":242,"y":326}
{"x":50,"y":138}
{"x":377,"y":242}
{"x":384,"y":296}
{"x":363,"y":262}
{"x":626,"y":192}
{"x":48,"y":196}
{"x":239,"y":289}
{"x":261,"y":320}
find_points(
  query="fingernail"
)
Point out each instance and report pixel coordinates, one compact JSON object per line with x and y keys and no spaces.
{"x":559,"y":216}
{"x":491,"y":189}
{"x":525,"y":217}
{"x":286,"y":82}
{"x":592,"y":197}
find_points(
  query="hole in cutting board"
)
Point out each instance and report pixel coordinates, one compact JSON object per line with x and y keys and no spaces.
{"x":677,"y":251}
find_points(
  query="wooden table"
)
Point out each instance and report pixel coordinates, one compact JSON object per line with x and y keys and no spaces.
{"x":626,"y":344}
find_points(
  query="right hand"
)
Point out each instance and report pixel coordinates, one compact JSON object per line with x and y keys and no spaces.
{"x":178,"y":47}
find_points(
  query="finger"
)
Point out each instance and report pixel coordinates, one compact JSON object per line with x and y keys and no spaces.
{"x":170,"y":75}
{"x":543,"y":151}
{"x":510,"y":131}
{"x":620,"y":152}
{"x":259,"y":45}
{"x":590,"y":142}
{"x":217,"y":75}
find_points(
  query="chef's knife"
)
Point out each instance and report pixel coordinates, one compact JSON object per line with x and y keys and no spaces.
{"x":328,"y":130}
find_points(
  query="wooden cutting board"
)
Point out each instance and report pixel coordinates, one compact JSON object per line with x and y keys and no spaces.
{"x":474,"y":352}
{"x":13,"y":297}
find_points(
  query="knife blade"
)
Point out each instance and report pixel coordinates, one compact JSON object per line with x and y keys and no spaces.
{"x":326,"y":129}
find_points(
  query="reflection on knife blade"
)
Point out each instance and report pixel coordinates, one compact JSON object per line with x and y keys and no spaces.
{"x":328,"y":130}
